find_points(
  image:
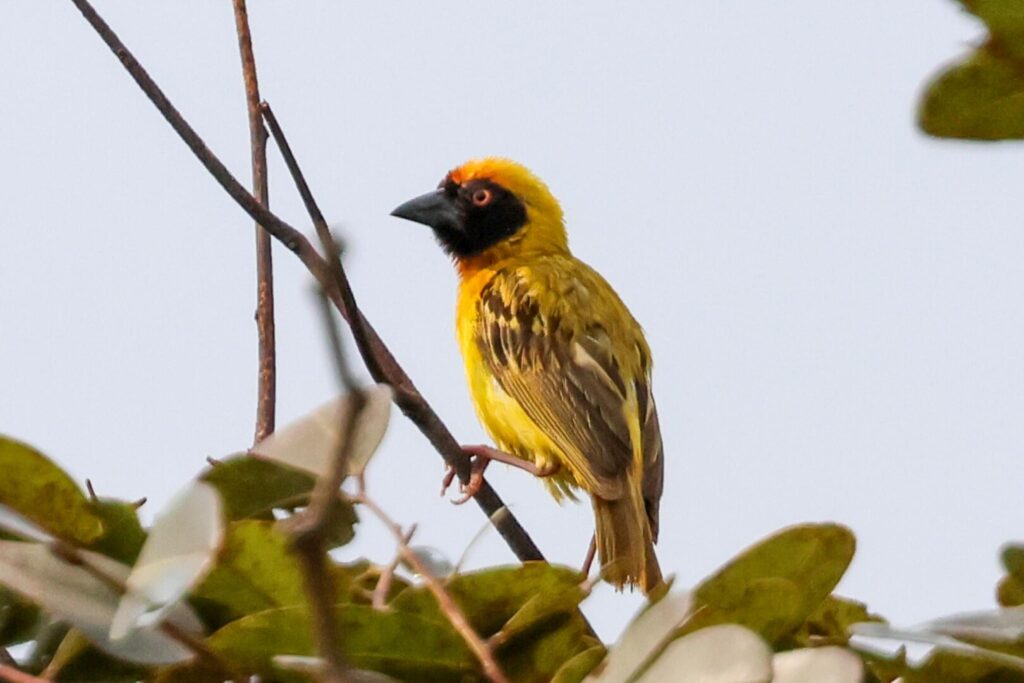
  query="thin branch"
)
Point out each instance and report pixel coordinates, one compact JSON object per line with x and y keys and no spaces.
{"x":379,"y":360}
{"x":12,"y":675}
{"x":380,"y":591}
{"x":344,"y":373}
{"x":309,"y":528}
{"x":322,"y":231}
{"x":266,"y":393}
{"x":364,"y":335}
{"x":455,"y":614}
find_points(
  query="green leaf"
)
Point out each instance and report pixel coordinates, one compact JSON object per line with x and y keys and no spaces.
{"x":252,"y":489}
{"x":255,"y":571}
{"x":530,"y":611}
{"x":123,"y":535}
{"x":577,"y":668}
{"x":981,"y":98}
{"x":1005,"y":21}
{"x":775,"y":585}
{"x":1010,"y":592}
{"x":538,"y":610}
{"x":19,"y":618}
{"x":1013,"y":560}
{"x":408,"y":646}
{"x":491,"y":597}
{"x":772,"y":607}
{"x":42,"y":492}
{"x":534,"y":656}
{"x":830,"y":623}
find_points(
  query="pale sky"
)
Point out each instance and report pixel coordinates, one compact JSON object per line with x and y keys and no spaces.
{"x":833,"y":300}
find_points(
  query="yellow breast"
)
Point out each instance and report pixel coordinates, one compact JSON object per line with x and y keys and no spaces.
{"x":501,"y":415}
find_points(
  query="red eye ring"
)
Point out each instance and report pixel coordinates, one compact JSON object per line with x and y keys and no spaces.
{"x":482,"y":197}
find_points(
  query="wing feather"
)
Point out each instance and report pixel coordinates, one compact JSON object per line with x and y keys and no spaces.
{"x":654,"y":458}
{"x":569,"y":383}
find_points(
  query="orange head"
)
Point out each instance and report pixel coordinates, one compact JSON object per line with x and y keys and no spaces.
{"x":490,"y":208}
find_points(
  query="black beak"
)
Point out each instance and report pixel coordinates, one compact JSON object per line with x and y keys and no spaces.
{"x":436,"y":209}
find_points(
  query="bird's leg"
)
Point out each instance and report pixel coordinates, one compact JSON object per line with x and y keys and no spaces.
{"x":589,"y":559}
{"x":481,"y":457}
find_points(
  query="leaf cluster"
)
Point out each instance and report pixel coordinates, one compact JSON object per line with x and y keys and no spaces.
{"x":233,"y":581}
{"x":982,"y":96}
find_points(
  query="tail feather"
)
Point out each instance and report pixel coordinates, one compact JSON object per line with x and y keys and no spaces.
{"x":625,"y":543}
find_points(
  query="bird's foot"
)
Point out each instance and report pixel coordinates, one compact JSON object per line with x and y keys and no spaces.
{"x":477,"y":465}
{"x":588,"y":561}
{"x":480,"y":457}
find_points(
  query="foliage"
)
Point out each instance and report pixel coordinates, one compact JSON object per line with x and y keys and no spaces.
{"x":982,"y":96}
{"x":229,"y":575}
{"x":214,"y":589}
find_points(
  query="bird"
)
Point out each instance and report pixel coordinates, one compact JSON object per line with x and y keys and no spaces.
{"x":559,"y":370}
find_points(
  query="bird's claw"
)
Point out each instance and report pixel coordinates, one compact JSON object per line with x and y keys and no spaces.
{"x":449,"y":477}
{"x":476,"y":479}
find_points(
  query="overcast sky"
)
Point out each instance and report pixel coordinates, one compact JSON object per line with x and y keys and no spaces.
{"x":833,"y":300}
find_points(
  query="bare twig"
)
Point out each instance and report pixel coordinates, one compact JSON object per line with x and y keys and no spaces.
{"x":267,"y":378}
{"x":13,"y":675}
{"x":322,"y":231}
{"x":70,"y":554}
{"x":454,"y":613}
{"x":309,"y":528}
{"x":369,"y":345}
{"x":380,"y":591}
{"x":343,"y":371}
{"x":382,"y":365}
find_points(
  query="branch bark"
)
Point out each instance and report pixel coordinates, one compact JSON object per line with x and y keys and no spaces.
{"x":12,"y":675}
{"x":267,"y":377}
{"x":382,"y":365}
{"x":309,"y":528}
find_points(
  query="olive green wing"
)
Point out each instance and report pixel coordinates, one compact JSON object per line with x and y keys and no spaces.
{"x":568,"y":381}
{"x":654,"y":456}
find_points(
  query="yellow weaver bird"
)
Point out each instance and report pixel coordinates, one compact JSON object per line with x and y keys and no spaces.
{"x":558,"y":368}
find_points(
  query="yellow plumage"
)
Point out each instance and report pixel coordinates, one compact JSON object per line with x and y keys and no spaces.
{"x":558,"y":368}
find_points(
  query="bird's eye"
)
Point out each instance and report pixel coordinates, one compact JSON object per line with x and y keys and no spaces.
{"x":482,"y":197}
